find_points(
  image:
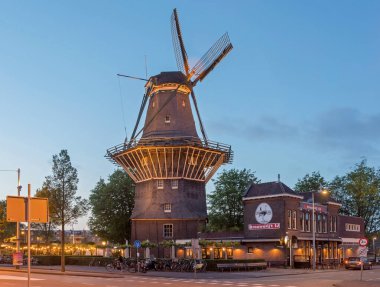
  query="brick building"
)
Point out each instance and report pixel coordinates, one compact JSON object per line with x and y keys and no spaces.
{"x":278,"y":227}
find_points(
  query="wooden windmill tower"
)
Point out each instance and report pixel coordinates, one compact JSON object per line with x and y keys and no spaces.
{"x":168,"y":161}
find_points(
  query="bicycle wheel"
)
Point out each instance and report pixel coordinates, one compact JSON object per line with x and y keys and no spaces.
{"x":109,"y":267}
{"x":132,"y":267}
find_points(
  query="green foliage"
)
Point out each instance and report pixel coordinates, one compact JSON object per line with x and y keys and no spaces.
{"x":7,"y":229}
{"x":111,"y":207}
{"x":167,"y":243}
{"x":310,"y":183}
{"x":61,"y":187}
{"x":359,"y":193}
{"x":225,"y":202}
{"x":148,"y":244}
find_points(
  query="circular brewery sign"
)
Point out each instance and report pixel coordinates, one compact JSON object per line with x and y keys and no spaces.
{"x":363,"y":241}
{"x":263,"y":213}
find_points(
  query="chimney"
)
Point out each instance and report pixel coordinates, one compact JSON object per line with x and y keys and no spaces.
{"x":278,"y":178}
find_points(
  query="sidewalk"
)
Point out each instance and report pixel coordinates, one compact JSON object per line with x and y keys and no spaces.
{"x":74,"y":270}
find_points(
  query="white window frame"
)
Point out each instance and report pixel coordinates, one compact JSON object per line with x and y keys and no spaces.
{"x":167,"y":119}
{"x":174,"y":183}
{"x":167,"y":207}
{"x":294,"y":219}
{"x":160,"y":184}
{"x":169,"y":229}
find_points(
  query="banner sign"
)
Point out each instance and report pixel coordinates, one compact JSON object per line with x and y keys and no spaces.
{"x":263,"y":226}
{"x":17,"y":258}
{"x":318,"y":208}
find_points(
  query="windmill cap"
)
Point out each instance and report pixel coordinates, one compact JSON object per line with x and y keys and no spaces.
{"x":169,"y":77}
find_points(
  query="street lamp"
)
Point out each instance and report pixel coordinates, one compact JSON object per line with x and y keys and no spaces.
{"x":324,"y":192}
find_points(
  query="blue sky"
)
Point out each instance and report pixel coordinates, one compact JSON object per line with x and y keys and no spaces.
{"x":298,"y":93}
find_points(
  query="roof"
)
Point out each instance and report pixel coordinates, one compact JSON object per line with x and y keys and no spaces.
{"x":275,"y":188}
{"x":169,"y":77}
{"x":319,"y":198}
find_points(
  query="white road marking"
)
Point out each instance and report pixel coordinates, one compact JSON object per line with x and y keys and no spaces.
{"x":9,"y":277}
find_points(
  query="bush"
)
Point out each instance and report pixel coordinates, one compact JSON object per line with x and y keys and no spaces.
{"x":70,"y":260}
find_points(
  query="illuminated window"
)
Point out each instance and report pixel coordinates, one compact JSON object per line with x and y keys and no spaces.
{"x":189,"y":253}
{"x":167,"y":207}
{"x":144,"y":161}
{"x":168,"y":230}
{"x":183,"y":103}
{"x":153,"y":104}
{"x":175,"y":184}
{"x":192,"y":160}
{"x":160,"y":184}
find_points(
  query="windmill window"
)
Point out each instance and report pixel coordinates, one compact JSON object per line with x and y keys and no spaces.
{"x":167,"y":119}
{"x":160,"y":184}
{"x":167,"y":207}
{"x":153,"y":104}
{"x":168,"y":230}
{"x":183,"y":103}
{"x":175,"y":184}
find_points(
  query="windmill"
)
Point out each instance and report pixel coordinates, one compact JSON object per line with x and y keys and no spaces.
{"x":166,"y":158}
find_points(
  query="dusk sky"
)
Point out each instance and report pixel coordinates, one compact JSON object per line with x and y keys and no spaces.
{"x":298,"y":93}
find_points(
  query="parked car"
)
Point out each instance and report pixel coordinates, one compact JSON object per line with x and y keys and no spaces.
{"x":357,"y":262}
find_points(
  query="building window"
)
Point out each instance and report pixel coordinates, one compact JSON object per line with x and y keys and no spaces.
{"x":167,"y":207}
{"x":334,"y":223}
{"x":175,"y":184}
{"x":352,"y":227}
{"x":160,"y":184}
{"x":289,"y":219}
{"x":230,"y":253}
{"x":153,"y":104}
{"x":183,"y":103}
{"x":294,"y":217}
{"x":250,"y":250}
{"x":319,"y":223}
{"x":192,"y":160}
{"x":331,"y":223}
{"x":189,"y":253}
{"x":168,"y":230}
{"x":324,"y":224}
{"x":307,"y":221}
{"x":144,"y":161}
{"x":302,"y":221}
{"x":167,"y":119}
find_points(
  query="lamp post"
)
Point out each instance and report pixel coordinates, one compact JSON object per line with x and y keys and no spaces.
{"x":322,"y":191}
{"x":374,"y":247}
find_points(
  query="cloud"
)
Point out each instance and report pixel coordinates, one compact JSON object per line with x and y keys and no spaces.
{"x":344,"y":131}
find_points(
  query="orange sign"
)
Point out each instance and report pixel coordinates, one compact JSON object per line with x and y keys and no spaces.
{"x":17,"y":209}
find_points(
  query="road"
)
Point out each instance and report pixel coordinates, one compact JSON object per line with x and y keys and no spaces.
{"x":346,"y":278}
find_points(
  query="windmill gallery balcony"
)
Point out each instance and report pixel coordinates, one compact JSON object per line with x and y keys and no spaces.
{"x":170,"y":158}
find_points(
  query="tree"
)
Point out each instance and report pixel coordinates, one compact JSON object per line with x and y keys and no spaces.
{"x":359,"y":193}
{"x":310,"y":183}
{"x":7,"y":229}
{"x":61,"y":187}
{"x":225,"y":202}
{"x":111,"y":207}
